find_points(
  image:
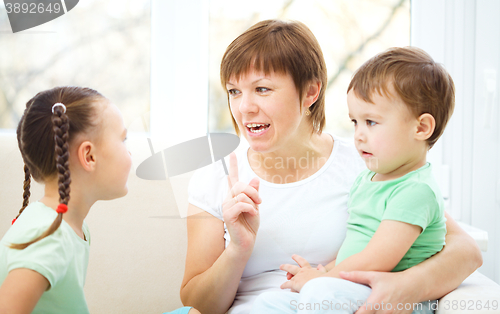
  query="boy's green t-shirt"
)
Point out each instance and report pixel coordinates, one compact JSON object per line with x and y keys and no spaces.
{"x":62,"y":258}
{"x":414,"y":198}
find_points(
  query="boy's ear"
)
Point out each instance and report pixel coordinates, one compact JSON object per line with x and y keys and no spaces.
{"x":425,"y":126}
{"x":86,"y":155}
{"x":312,"y":93}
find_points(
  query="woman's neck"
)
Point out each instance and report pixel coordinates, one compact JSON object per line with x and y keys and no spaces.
{"x":293,"y":161}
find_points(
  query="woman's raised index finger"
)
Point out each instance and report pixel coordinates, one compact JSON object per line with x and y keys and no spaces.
{"x":233,"y":170}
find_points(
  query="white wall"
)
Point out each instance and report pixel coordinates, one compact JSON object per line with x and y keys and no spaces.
{"x":464,"y":35}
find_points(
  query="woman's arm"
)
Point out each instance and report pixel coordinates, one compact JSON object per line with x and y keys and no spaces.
{"x":429,"y":280}
{"x":21,"y":290}
{"x":446,"y":270}
{"x":212,"y":273}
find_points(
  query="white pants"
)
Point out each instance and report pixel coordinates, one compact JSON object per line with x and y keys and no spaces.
{"x":326,"y":295}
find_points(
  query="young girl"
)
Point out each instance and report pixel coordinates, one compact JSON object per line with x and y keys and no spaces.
{"x":73,"y":140}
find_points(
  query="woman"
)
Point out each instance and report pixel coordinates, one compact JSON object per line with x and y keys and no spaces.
{"x":275,"y":77}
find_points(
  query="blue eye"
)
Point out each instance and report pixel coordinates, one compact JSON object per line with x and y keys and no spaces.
{"x":370,"y":122}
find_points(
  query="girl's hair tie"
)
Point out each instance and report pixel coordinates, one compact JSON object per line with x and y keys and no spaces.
{"x":61,"y":208}
{"x":59,"y":105}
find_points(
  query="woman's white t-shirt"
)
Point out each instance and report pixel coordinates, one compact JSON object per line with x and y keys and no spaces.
{"x":307,"y":217}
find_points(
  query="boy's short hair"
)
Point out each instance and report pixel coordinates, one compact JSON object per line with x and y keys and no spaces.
{"x":285,"y":47}
{"x":422,"y":84}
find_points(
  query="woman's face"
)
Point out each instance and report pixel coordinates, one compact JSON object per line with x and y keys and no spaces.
{"x":267,"y":109}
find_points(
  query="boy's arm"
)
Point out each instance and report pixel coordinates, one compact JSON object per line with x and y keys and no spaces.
{"x":21,"y":290}
{"x":386,"y":248}
{"x":429,"y":280}
{"x":330,"y":265}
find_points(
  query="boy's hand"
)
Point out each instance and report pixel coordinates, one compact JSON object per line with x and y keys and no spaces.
{"x":298,"y":275}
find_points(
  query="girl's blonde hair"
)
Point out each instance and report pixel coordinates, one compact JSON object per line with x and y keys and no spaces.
{"x":43,"y":135}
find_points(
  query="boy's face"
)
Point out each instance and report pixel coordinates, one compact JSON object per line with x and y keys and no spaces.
{"x":385,"y":135}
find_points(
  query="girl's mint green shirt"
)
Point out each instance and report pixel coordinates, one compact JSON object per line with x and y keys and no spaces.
{"x":62,"y":258}
{"x":414,"y":198}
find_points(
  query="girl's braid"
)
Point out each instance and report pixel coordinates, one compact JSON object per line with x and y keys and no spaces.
{"x":60,"y":123}
{"x":26,"y":194}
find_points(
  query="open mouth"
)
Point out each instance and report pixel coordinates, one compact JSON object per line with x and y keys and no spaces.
{"x":257,"y":127}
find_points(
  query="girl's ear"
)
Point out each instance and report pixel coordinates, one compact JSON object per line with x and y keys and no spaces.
{"x":86,"y":155}
{"x":312,"y":93}
{"x":425,"y":126}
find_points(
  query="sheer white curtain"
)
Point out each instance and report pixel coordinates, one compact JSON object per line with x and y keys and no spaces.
{"x":464,"y":35}
{"x":179,"y":82}
{"x":179,"y":70}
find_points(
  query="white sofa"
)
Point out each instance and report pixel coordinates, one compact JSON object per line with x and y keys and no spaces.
{"x":137,"y":257}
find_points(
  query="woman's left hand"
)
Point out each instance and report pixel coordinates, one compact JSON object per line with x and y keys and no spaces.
{"x":298,"y":275}
{"x":388,"y":291}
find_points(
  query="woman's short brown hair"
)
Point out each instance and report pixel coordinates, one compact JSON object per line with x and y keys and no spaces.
{"x":422,"y":84}
{"x":287,"y":47}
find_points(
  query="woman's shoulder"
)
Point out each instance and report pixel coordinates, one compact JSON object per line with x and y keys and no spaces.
{"x":213,"y":175}
{"x":208,"y":185}
{"x":216,"y":173}
{"x":345,"y":146}
{"x":207,"y":188}
{"x":345,"y":153}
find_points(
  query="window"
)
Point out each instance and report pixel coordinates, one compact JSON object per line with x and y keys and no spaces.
{"x":460,"y":34}
{"x":101,"y":44}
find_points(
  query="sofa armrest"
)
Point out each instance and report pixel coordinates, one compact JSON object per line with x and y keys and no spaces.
{"x":476,"y":295}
